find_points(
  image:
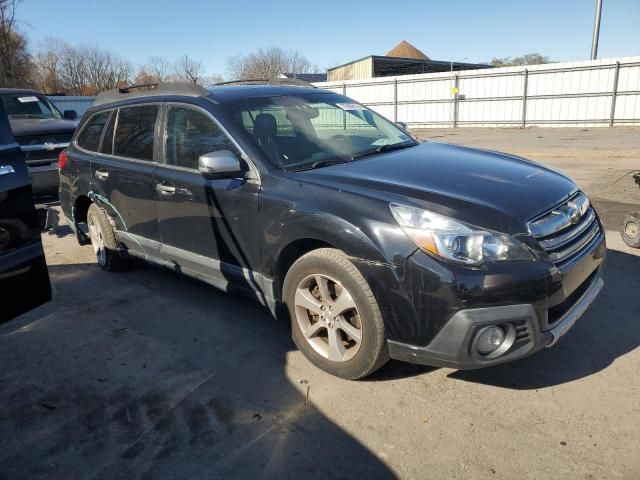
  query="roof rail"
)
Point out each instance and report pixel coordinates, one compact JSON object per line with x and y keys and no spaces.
{"x":268,"y":81}
{"x":151,"y":89}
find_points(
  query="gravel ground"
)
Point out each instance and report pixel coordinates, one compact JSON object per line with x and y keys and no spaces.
{"x":146,"y":374}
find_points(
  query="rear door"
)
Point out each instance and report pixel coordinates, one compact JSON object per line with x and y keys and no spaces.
{"x":24,"y":279}
{"x":122,"y":177}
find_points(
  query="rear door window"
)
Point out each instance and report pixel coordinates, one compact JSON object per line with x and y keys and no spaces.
{"x":135,"y":132}
{"x":89,"y":137}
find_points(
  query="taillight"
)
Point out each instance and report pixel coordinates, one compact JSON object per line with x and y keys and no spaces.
{"x":62,"y":160}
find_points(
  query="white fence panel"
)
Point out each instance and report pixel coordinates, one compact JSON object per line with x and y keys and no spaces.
{"x":434,"y":89}
{"x":373,"y":93}
{"x":592,"y":93}
{"x":414,"y":114}
{"x":502,"y":112}
{"x":627,"y":107}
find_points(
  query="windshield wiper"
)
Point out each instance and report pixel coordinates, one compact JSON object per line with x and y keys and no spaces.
{"x":384,"y":148}
{"x":318,"y":164}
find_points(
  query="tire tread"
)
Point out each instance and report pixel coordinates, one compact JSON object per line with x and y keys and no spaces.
{"x":331,"y":256}
{"x":117,"y":258}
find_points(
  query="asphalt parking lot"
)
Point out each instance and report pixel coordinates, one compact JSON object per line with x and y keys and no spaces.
{"x":146,"y":374}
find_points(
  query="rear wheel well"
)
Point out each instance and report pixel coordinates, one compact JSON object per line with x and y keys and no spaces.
{"x":290,"y":254}
{"x":81,"y":208}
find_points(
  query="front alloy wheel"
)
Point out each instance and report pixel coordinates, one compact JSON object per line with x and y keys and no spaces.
{"x":335,"y":319}
{"x":328,"y":317}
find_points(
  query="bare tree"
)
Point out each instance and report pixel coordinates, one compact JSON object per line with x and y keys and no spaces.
{"x":298,"y":63}
{"x":16,"y":68}
{"x":268,"y":63}
{"x":47,"y":66}
{"x":527,"y":59}
{"x":209,"y":80}
{"x":144,"y":77}
{"x":189,"y":70}
{"x":157,"y":69}
{"x":81,"y":70}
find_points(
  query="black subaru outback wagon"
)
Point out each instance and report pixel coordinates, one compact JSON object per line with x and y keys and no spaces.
{"x":374,"y":244}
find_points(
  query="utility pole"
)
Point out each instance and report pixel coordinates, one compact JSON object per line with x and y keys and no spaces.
{"x":596,"y":30}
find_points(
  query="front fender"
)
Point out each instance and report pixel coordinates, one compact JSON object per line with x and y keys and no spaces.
{"x":360,"y":225}
{"x":326,"y":228}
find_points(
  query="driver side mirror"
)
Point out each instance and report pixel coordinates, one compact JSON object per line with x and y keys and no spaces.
{"x":70,"y":115}
{"x":403,"y":125}
{"x":219,"y":164}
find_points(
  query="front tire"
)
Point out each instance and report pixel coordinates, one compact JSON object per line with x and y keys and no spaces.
{"x":335,"y":319}
{"x":109,"y":255}
{"x":630,"y":230}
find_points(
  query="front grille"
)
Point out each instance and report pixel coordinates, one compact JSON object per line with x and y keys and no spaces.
{"x":42,"y":157}
{"x":567,"y":230}
{"x":32,"y":140}
{"x":42,"y":150}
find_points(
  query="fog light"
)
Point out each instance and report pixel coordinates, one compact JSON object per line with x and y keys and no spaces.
{"x":490,"y":339}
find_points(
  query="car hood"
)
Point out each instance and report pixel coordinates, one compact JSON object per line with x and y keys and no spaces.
{"x":40,"y":126}
{"x":465,"y":183}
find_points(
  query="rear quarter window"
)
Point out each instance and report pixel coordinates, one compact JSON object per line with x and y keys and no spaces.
{"x":107,"y":140}
{"x":89,"y":137}
{"x":135,"y":131}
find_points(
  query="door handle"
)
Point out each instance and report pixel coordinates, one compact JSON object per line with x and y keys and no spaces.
{"x":6,"y":169}
{"x":165,"y":190}
{"x":101,"y":175}
{"x":185,"y":192}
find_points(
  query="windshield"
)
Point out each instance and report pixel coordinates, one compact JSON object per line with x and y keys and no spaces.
{"x":27,"y":105}
{"x":310,"y":131}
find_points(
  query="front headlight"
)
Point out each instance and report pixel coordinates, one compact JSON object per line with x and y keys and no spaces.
{"x":455,"y":241}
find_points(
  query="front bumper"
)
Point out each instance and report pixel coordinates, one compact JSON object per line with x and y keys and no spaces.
{"x":454,"y":345}
{"x":434,"y":310}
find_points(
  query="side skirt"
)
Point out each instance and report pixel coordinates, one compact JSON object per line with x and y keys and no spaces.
{"x":221,"y":275}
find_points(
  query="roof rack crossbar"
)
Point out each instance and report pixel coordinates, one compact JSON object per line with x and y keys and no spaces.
{"x":150,"y":89}
{"x":268,"y":81}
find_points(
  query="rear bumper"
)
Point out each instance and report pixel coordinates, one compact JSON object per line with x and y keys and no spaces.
{"x":454,"y":346}
{"x":45,"y":178}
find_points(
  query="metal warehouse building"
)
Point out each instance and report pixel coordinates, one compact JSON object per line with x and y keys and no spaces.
{"x":404,"y":59}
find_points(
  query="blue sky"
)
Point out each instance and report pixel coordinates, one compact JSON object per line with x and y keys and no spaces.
{"x":332,"y":32}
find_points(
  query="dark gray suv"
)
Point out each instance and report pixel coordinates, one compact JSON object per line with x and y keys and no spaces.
{"x":42,"y":133}
{"x":373,"y":244}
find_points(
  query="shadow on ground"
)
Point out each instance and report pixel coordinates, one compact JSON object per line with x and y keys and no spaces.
{"x":151,"y":375}
{"x":609,"y":330}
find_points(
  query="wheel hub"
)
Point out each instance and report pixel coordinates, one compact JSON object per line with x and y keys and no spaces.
{"x":97,"y":241}
{"x":631,"y":230}
{"x":328,"y":317}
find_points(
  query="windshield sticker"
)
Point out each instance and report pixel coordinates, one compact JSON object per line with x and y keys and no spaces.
{"x":350,"y":106}
{"x":27,"y":99}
